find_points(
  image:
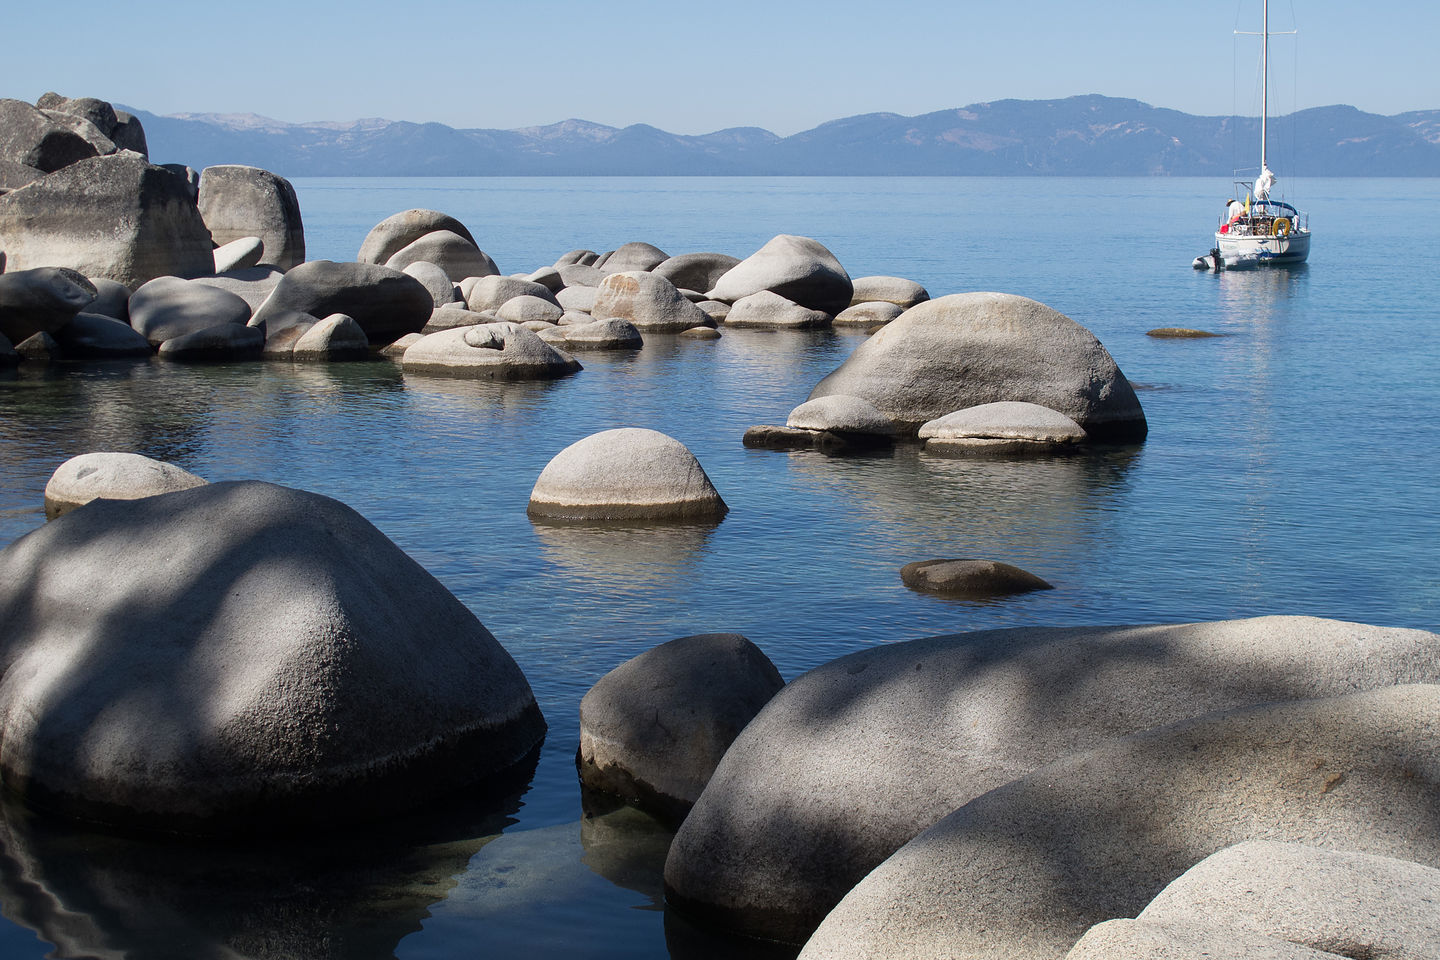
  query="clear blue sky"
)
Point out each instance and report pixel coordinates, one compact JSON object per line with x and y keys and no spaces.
{"x":694,"y":68}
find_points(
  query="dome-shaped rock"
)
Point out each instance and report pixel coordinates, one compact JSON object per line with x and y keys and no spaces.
{"x":526,"y":308}
{"x":90,"y":336}
{"x":969,"y":578}
{"x":454,"y":254}
{"x":630,"y":473}
{"x":696,"y":271}
{"x":42,"y":299}
{"x":840,"y":414}
{"x":635,"y":255}
{"x":169,"y":307}
{"x":496,"y":351}
{"x":797,"y":268}
{"x":399,"y":230}
{"x":336,"y":337}
{"x":651,"y":303}
{"x":897,"y":290}
{"x":868,"y":314}
{"x":386,"y":303}
{"x":1006,"y":427}
{"x":786,"y":827}
{"x":237,"y":201}
{"x":242,"y":656}
{"x":580,"y":299}
{"x":113,"y":476}
{"x":442,"y":289}
{"x":219,"y":344}
{"x":111,"y":299}
{"x":975,"y":348}
{"x":577,"y":256}
{"x":653,"y":729}
{"x":603,"y":335}
{"x":770,"y":310}
{"x":252,"y":284}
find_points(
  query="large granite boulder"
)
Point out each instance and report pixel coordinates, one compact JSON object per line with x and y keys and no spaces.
{"x":625,"y":474}
{"x":1021,"y":872}
{"x":386,"y":303}
{"x":576,"y":275}
{"x":92,"y":336}
{"x":771,"y":311}
{"x":841,"y":414}
{"x":492,"y":351}
{"x":456,"y":255}
{"x":651,"y":303}
{"x":528,"y":308}
{"x":247,"y":657}
{"x":797,"y":268}
{"x":129,"y":134}
{"x":490,"y":293}
{"x":238,"y":201}
{"x":442,"y":289}
{"x":112,"y":476}
{"x":251,"y":284}
{"x":111,"y":299}
{"x":696,"y":271}
{"x":1004,"y":427}
{"x":1148,"y":940}
{"x":14,"y":175}
{"x":116,"y":217}
{"x":633,"y":256}
{"x":224,"y":343}
{"x":974,"y":348}
{"x":399,"y":230}
{"x":859,"y":755}
{"x":42,"y":299}
{"x":653,"y":729}
{"x":169,"y":307}
{"x":336,"y":337}
{"x":31,"y":137}
{"x":869,"y":314}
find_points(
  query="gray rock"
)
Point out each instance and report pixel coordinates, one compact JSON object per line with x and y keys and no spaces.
{"x":336,"y":337}
{"x":1350,"y":904}
{"x":493,"y":351}
{"x":696,"y":271}
{"x":580,"y":299}
{"x":841,"y":414}
{"x":1137,"y":940}
{"x":241,"y":254}
{"x":603,"y":335}
{"x":396,"y":350}
{"x":116,"y":217}
{"x":868,"y":314}
{"x":129,"y":134}
{"x":653,"y":729}
{"x":1180,"y":333}
{"x":491,"y":293}
{"x":797,"y":268}
{"x":581,"y":276}
{"x":283,"y":331}
{"x":253,"y":285}
{"x":969,"y":578}
{"x":442,"y":289}
{"x":455,"y":315}
{"x":92,"y":336}
{"x":716,"y":310}
{"x":974,"y":348}
{"x":386,"y":303}
{"x":786,"y":825}
{"x":114,"y":476}
{"x":700,"y":333}
{"x":576,"y":257}
{"x":168,"y":307}
{"x":42,"y":299}
{"x":772,"y":311}
{"x":633,"y":256}
{"x":14,"y":175}
{"x":897,"y":290}
{"x":238,"y":201}
{"x":83,"y":128}
{"x":548,"y":277}
{"x":32,"y":138}
{"x":399,"y":230}
{"x":524,"y":309}
{"x":111,"y":299}
{"x":39,"y":348}
{"x":625,"y":474}
{"x":1006,"y":427}
{"x":1022,"y":871}
{"x":224,"y":343}
{"x":190,"y":175}
{"x":252,"y":658}
{"x":651,"y":303}
{"x":456,"y":255}
{"x":97,"y":112}
{"x":8,"y":356}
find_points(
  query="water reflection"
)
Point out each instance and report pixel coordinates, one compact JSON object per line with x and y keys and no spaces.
{"x":624,"y":558}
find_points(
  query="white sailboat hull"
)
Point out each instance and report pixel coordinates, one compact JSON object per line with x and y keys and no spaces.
{"x":1244,"y":251}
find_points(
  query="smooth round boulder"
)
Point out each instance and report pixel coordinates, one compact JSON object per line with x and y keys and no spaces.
{"x":243,"y":657}
{"x":396,"y":350}
{"x":970,"y":349}
{"x":786,"y":827}
{"x":771,"y":311}
{"x":114,"y":216}
{"x":386,"y":303}
{"x":399,"y":230}
{"x":799,"y":269}
{"x":603,"y":335}
{"x":1144,"y":940}
{"x":527,"y":308}
{"x":841,"y":414}
{"x":653,"y":729}
{"x":492,"y":351}
{"x":241,"y":253}
{"x":237,"y":201}
{"x":651,"y":303}
{"x":577,"y":275}
{"x":336,"y":337}
{"x":448,"y":250}
{"x":696,"y":271}
{"x":169,"y":307}
{"x":548,"y":277}
{"x":626,"y":474}
{"x":283,"y":330}
{"x":9,"y":356}
{"x":716,"y":310}
{"x":91,"y":336}
{"x":577,"y":299}
{"x":453,"y":315}
{"x":1345,"y":903}
{"x":224,"y":343}
{"x":490,"y":293}
{"x":868,"y":314}
{"x":1022,"y":871}
{"x":41,"y":300}
{"x":577,"y":256}
{"x":112,"y":476}
{"x":442,"y":289}
{"x":897,"y":290}
{"x":634,"y":256}
{"x":1005,"y":427}
{"x":969,"y":578}
{"x":252,"y":284}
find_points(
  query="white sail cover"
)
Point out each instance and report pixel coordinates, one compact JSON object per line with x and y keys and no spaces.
{"x":1264,"y":184}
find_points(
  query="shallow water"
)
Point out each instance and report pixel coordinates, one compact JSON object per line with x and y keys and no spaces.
{"x":1289,"y":469}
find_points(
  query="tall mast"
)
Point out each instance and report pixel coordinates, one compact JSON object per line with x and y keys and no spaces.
{"x":1264,"y":79}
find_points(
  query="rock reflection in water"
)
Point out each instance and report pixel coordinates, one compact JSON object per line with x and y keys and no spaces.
{"x":624,"y":558}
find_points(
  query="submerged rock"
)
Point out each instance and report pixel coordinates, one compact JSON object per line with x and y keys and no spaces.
{"x":113,"y":476}
{"x":969,"y":578}
{"x":1006,"y":427}
{"x":169,"y":307}
{"x":626,"y":474}
{"x":772,"y":311}
{"x":897,"y":290}
{"x":90,"y":336}
{"x":494,"y":351}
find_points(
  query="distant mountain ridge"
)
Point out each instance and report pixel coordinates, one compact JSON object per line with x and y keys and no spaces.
{"x":1077,"y":136}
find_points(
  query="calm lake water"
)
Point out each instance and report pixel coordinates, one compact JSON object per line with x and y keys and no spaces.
{"x":1291,"y":468}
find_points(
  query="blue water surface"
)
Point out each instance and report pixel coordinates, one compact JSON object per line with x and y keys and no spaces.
{"x":1290,"y":468}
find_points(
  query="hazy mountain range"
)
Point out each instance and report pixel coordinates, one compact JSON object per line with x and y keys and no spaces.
{"x":1077,"y":136}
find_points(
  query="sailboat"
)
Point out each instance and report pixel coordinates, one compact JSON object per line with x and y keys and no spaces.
{"x":1260,"y":229}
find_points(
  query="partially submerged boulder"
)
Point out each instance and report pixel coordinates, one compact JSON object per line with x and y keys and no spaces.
{"x":969,"y":578}
{"x":625,"y":474}
{"x":113,"y":476}
{"x":493,"y":351}
{"x":651,"y":303}
{"x":219,"y":344}
{"x":243,"y":657}
{"x":42,"y":299}
{"x":975,"y":348}
{"x":868,"y":314}
{"x":386,"y":303}
{"x":603,"y":335}
{"x":1006,"y":427}
{"x":653,"y":729}
{"x":237,"y":201}
{"x":797,"y":268}
{"x":336,"y":337}
{"x":90,"y":336}
{"x":897,"y":290}
{"x":772,"y":311}
{"x":169,"y":307}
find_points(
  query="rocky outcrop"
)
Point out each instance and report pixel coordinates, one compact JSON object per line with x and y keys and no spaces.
{"x":238,"y":201}
{"x":625,"y":474}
